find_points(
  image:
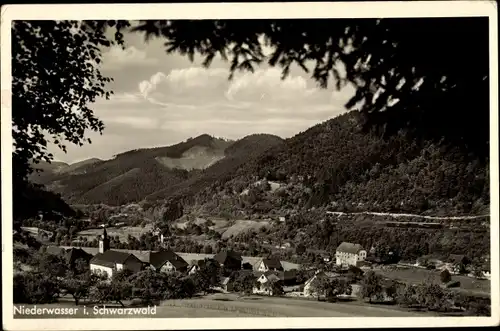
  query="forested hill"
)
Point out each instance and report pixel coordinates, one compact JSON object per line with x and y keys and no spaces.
{"x":337,"y":164}
{"x":238,"y":154}
{"x":137,"y":174}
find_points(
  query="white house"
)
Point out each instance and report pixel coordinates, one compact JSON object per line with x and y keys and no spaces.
{"x":111,"y":261}
{"x":264,"y":283}
{"x":349,"y":254}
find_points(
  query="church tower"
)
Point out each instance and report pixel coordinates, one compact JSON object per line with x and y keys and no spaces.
{"x":103,"y":242}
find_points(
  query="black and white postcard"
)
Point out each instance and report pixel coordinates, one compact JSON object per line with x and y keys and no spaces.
{"x":251,"y":165}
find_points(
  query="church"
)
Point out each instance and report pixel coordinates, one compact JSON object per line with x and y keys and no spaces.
{"x":108,"y":262}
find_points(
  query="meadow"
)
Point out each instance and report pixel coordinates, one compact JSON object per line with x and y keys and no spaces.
{"x":233,"y":305}
{"x":469,"y":285}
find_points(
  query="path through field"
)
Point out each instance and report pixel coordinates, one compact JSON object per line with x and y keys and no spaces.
{"x":398,"y":215}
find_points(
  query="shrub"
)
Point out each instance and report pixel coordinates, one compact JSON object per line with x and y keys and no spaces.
{"x":34,"y":287}
{"x":445,"y":276}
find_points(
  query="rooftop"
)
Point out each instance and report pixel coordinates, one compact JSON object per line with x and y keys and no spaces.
{"x":346,"y":247}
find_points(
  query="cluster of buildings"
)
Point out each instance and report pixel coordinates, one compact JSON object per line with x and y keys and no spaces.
{"x":267,"y":272}
{"x":456,"y":264}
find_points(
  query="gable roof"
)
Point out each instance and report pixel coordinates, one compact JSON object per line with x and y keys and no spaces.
{"x":110,"y":258}
{"x":457,"y":258}
{"x":225,"y":280}
{"x":272,"y":263}
{"x":346,"y":247}
{"x":158,"y":259}
{"x":289,"y":274}
{"x":221,"y":257}
{"x":74,"y":254}
{"x":270,"y":276}
{"x":55,"y":250}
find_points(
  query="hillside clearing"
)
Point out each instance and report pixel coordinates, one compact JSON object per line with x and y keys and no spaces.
{"x":242,"y":226}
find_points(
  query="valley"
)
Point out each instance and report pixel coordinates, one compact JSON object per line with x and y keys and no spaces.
{"x":295,"y":200}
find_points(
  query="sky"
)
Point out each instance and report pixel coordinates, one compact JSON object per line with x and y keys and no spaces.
{"x":161,"y":100}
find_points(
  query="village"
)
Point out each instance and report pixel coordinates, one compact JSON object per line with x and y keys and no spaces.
{"x":267,"y":276}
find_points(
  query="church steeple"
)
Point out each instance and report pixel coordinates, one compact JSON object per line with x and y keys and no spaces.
{"x":103,"y":242}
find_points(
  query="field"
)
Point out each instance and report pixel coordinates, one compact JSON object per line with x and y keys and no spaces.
{"x":231,"y":305}
{"x":417,"y":276}
{"x":241,"y":226}
{"x":226,"y":229}
{"x":122,"y":232}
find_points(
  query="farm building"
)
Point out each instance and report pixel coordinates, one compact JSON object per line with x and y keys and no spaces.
{"x":272,"y":264}
{"x":310,"y":285}
{"x":349,"y":254}
{"x":167,"y":261}
{"x":267,"y":276}
{"x":226,"y":284}
{"x":229,"y":259}
{"x":70,"y":255}
{"x":264,"y":284}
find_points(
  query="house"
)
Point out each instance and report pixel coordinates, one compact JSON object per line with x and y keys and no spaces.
{"x":74,"y":254}
{"x":167,"y":261}
{"x":270,"y":264}
{"x":247,"y":266}
{"x":288,"y":277}
{"x":108,"y":261}
{"x":486,"y":271}
{"x":264,"y":284}
{"x":268,"y":276}
{"x":282,"y":219}
{"x":326,"y":257}
{"x":456,"y":263}
{"x":229,"y":259}
{"x":111,"y":261}
{"x":194,"y":266}
{"x":70,"y":255}
{"x":226,"y":284}
{"x":428,"y":262}
{"x":349,"y":254}
{"x":53,"y":250}
{"x":310,"y":284}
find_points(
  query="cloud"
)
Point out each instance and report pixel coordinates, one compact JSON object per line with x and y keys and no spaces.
{"x":184,"y":86}
{"x":116,"y":58}
{"x":266,"y":86}
{"x":135,"y":122}
{"x":195,"y":85}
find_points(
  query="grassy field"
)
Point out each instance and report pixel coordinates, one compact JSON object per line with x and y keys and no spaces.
{"x":231,"y":305}
{"x":241,"y":226}
{"x":122,"y":232}
{"x":417,"y":276}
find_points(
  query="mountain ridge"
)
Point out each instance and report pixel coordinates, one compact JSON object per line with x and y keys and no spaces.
{"x":110,"y":181}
